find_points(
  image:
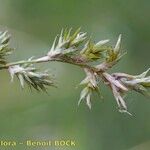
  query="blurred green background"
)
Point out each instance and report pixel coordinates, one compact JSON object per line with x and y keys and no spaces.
{"x":30,"y":115}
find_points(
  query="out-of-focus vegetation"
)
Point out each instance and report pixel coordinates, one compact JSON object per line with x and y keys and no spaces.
{"x":30,"y":115}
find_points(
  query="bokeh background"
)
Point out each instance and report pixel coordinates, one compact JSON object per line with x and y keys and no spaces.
{"x":40,"y":116}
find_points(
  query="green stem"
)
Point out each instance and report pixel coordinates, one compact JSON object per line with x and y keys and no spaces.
{"x":47,"y":59}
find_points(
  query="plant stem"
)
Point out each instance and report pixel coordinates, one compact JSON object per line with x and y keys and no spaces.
{"x":48,"y":59}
